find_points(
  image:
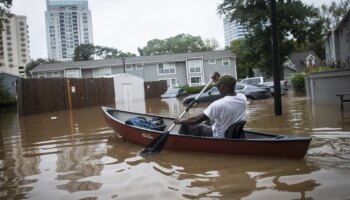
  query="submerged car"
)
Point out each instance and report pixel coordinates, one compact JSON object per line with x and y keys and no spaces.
{"x":260,"y":82}
{"x":173,"y":92}
{"x":250,"y":91}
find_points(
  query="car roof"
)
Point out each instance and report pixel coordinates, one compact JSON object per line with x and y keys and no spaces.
{"x":247,"y":85}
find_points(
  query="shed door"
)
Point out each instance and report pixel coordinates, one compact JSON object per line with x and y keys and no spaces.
{"x":127,"y":94}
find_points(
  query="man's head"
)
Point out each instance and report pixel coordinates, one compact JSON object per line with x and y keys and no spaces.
{"x":226,"y":84}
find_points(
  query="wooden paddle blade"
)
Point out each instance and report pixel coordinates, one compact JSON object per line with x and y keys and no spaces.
{"x":156,"y":145}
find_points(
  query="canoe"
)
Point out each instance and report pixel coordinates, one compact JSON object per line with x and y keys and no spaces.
{"x":254,"y":144}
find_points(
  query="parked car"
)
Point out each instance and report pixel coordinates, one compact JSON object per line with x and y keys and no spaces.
{"x":251,"y":92}
{"x":260,"y":81}
{"x":254,"y":80}
{"x":173,"y":92}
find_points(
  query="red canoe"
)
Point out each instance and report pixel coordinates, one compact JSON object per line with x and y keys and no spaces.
{"x":254,"y":144}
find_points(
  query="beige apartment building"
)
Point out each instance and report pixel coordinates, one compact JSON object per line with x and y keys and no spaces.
{"x":14,"y":46}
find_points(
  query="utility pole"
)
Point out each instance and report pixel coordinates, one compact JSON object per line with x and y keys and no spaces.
{"x":123,"y":60}
{"x":275,"y":63}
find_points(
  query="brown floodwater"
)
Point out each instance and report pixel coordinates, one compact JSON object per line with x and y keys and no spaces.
{"x":74,"y":155}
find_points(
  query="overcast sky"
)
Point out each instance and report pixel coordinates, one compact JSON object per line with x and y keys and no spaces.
{"x":129,"y":24}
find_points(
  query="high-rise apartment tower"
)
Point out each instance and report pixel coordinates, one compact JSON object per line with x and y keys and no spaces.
{"x":233,"y":31}
{"x":14,"y":45}
{"x":68,"y":24}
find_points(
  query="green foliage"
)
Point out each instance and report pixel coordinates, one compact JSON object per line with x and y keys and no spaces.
{"x":6,"y":99}
{"x":298,"y":82}
{"x":182,"y":43}
{"x":320,"y":69}
{"x":88,"y":51}
{"x":110,"y":53}
{"x":244,"y":58}
{"x":195,"y":89}
{"x":333,"y":13}
{"x":298,"y":24}
{"x":84,"y":52}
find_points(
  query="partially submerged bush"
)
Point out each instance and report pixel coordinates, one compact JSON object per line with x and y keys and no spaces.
{"x":6,"y":98}
{"x":195,"y":89}
{"x":298,"y":82}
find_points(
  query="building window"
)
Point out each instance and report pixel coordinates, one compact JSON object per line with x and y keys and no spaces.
{"x":166,"y":68}
{"x":212,"y":61}
{"x":171,"y":82}
{"x":41,"y":75}
{"x":139,"y":67}
{"x":73,"y":73}
{"x":225,"y":62}
{"x":128,"y":67}
{"x":194,"y":66}
{"x":102,"y":71}
{"x":196,"y":80}
{"x":55,"y":74}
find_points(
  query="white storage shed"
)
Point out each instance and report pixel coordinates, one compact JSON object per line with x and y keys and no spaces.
{"x":128,"y":88}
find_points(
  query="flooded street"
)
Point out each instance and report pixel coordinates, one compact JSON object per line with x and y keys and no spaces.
{"x":75,"y":155}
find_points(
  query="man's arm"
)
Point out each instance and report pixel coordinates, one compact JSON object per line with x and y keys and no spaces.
{"x":192,"y":120}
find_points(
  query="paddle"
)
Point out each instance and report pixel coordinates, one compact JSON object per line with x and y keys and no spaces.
{"x":157,"y":144}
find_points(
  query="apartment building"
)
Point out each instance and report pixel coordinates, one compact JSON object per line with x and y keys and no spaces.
{"x":337,"y":44}
{"x":68,"y":24}
{"x":177,"y":69}
{"x":233,"y":31}
{"x":14,"y":46}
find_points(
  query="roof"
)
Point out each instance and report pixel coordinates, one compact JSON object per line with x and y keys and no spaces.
{"x":9,"y":74}
{"x":133,"y":60}
{"x":299,"y":58}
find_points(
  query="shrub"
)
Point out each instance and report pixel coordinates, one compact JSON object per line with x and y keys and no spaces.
{"x":6,"y":99}
{"x":195,"y":89}
{"x":298,"y":82}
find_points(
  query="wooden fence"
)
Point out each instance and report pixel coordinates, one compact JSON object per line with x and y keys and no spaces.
{"x":154,"y":89}
{"x":52,"y":94}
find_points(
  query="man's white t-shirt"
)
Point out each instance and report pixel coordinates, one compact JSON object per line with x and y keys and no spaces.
{"x":226,"y":111}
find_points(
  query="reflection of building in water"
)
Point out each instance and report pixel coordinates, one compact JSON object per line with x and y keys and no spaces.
{"x":17,"y":160}
{"x":132,"y":106}
{"x":80,"y":163}
{"x":72,"y":153}
{"x":173,"y":105}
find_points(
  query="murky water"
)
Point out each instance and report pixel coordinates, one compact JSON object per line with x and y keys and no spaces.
{"x":74,"y":155}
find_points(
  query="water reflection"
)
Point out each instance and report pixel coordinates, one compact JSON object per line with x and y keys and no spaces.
{"x":74,"y":155}
{"x":195,"y":176}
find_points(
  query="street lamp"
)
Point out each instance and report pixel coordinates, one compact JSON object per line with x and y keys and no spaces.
{"x":123,"y":60}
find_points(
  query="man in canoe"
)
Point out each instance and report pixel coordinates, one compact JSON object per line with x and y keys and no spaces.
{"x":224,"y":112}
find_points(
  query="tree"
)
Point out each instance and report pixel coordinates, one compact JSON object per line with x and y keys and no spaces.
{"x":84,"y":52}
{"x":333,"y":13}
{"x":106,"y":52}
{"x":5,"y":6}
{"x":89,"y":51}
{"x":298,"y":24}
{"x":244,"y":57}
{"x":6,"y":98}
{"x":211,"y":43}
{"x":182,"y":43}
